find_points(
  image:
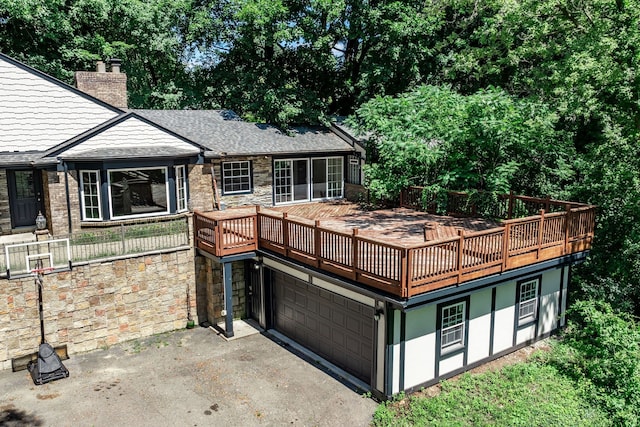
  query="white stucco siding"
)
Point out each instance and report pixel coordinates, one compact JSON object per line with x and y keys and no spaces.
{"x":504,"y":317}
{"x":131,"y":133}
{"x":526,"y":333}
{"x":420,"y":346}
{"x":37,"y":114}
{"x":549,"y":300}
{"x":548,"y":320}
{"x":479,"y":326}
{"x":451,"y":363}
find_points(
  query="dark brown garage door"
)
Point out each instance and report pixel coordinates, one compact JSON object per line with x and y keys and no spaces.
{"x":337,"y":328}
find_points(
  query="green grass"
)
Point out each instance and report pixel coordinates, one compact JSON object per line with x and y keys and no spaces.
{"x":525,"y":394}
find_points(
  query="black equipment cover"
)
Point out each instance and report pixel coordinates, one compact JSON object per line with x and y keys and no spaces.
{"x":47,"y":367}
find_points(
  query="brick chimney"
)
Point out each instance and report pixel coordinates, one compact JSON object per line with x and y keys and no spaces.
{"x":110,"y":87}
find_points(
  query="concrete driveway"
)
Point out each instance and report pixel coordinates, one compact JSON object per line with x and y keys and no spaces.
{"x":185,"y":378}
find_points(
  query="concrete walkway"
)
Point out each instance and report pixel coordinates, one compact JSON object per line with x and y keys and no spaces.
{"x":185,"y":378}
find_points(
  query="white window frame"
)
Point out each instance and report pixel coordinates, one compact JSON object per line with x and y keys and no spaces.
{"x":242,"y":164}
{"x":453,"y":324}
{"x":528,"y":301}
{"x":166,"y":186}
{"x":96,"y":174}
{"x":334,"y":189}
{"x":181,"y":188}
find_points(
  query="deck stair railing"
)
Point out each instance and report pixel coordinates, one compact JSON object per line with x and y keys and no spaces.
{"x":407,"y":270}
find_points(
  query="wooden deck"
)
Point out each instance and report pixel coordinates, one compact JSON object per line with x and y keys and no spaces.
{"x":402,"y":251}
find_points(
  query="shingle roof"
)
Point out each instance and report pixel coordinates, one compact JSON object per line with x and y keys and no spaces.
{"x":224,"y":133}
{"x":23,"y":158}
{"x":112,"y":153}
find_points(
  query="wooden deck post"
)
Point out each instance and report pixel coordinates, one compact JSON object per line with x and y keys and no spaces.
{"x":404,"y":273}
{"x":540,"y":234}
{"x":317,"y":245}
{"x":505,"y":246}
{"x":567,"y":222}
{"x":219,"y":239}
{"x":460,"y":251}
{"x":285,"y":234}
{"x":355,"y":262}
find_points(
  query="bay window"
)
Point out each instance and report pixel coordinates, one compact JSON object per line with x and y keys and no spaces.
{"x":120,"y":193}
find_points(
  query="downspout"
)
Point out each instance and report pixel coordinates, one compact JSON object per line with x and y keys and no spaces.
{"x":66,"y":186}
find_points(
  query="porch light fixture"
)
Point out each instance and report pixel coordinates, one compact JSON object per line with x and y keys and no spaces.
{"x":41,"y":221}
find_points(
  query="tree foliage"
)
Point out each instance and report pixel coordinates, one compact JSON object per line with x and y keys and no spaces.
{"x":487,"y":141}
{"x":510,"y":85}
{"x":601,"y":351}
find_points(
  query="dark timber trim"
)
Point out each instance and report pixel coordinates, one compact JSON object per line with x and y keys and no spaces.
{"x":492,"y":330}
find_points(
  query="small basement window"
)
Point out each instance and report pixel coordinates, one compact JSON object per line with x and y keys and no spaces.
{"x":453,"y":325}
{"x":528,"y":301}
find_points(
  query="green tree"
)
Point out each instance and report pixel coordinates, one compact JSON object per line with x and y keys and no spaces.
{"x":63,"y":36}
{"x":488,"y":141}
{"x":601,"y":350}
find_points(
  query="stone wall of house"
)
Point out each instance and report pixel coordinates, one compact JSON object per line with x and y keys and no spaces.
{"x":262,"y":182}
{"x":55,"y":196}
{"x":97,"y":305}
{"x":5,"y":213}
{"x":355,"y":193}
{"x":200,"y":187}
{"x":210,"y":290}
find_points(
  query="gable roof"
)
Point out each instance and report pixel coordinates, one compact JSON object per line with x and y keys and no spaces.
{"x":38,"y":111}
{"x":125,"y":136}
{"x":225,"y":134}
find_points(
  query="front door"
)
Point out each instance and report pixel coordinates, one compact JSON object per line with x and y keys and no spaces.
{"x":25,"y":196}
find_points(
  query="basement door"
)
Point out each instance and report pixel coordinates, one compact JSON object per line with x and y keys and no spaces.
{"x":338,"y":329}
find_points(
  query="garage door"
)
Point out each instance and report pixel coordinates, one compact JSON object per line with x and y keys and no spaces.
{"x":337,"y":328}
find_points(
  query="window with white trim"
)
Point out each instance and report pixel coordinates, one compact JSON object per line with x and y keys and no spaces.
{"x":306,"y":179}
{"x":452,"y":325}
{"x":138,"y":192}
{"x":236,"y":177}
{"x":90,"y":195}
{"x":528,"y":301}
{"x":181,"y":188}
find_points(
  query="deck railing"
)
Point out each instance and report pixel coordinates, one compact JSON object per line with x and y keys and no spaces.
{"x":406,"y":270}
{"x":500,"y":206}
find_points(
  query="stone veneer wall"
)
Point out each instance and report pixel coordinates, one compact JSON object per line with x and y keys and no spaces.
{"x":55,"y":196}
{"x":262,"y":182}
{"x":5,"y":213}
{"x":99,"y":304}
{"x":200,"y":187}
{"x":355,"y":193}
{"x":210,"y":290}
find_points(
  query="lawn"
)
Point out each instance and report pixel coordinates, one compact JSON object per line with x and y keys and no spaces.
{"x":524,"y":394}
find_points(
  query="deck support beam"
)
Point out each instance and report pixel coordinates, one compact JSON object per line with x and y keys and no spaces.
{"x":227,"y":277}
